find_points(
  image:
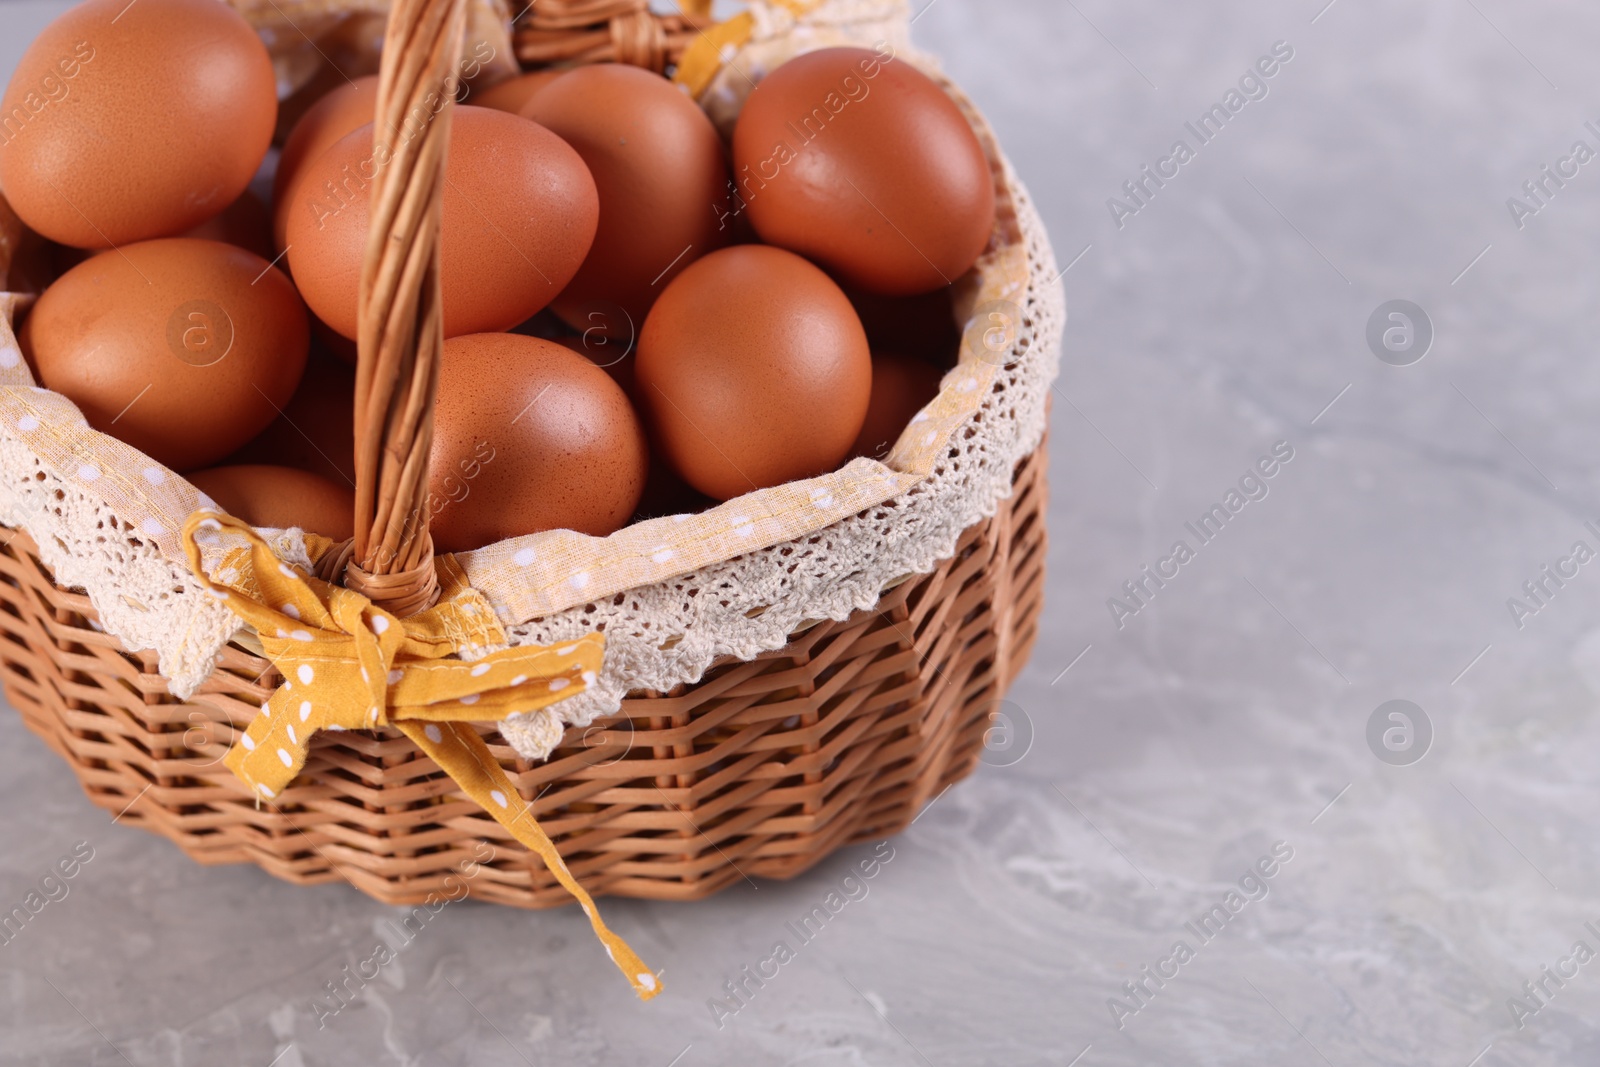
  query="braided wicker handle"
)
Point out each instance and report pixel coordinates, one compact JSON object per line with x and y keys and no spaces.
{"x":401,"y":336}
{"x":401,"y":330}
{"x":608,"y":31}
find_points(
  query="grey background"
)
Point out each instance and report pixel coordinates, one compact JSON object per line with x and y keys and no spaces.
{"x":1222,"y":718}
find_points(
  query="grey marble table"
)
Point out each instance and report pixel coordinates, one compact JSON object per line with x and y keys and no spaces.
{"x":1179,"y":750}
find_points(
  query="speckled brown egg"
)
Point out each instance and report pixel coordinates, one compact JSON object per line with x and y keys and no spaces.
{"x":753,"y":370}
{"x":529,"y":436}
{"x":513,"y":94}
{"x":520,"y":212}
{"x":901,"y":387}
{"x":661,"y":174}
{"x":860,"y":162}
{"x":281,"y":497}
{"x":130,"y":121}
{"x":343,"y":110}
{"x":185,"y":349}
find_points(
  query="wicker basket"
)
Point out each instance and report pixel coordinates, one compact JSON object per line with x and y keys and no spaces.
{"x":759,"y":770}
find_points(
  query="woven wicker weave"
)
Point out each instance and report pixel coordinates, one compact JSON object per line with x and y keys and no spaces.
{"x":759,"y":770}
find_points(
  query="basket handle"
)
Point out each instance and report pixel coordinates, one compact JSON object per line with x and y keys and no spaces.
{"x":400,"y":326}
{"x":401,"y":331}
{"x":608,"y":31}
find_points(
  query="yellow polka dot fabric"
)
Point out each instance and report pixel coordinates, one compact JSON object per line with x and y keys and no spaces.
{"x":349,"y":665}
{"x":704,"y":56}
{"x":710,"y":49}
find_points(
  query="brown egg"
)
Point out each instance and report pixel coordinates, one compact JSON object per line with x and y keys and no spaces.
{"x":344,"y":110}
{"x":901,"y":387}
{"x":513,"y":94}
{"x":316,"y":430}
{"x":281,"y":497}
{"x":753,"y":370}
{"x":519,"y":215}
{"x":246,"y":223}
{"x":184,"y":349}
{"x":860,"y":162}
{"x":130,"y":121}
{"x":660,"y":171}
{"x":529,"y":436}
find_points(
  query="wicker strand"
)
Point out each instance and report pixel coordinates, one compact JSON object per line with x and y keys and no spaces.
{"x":639,"y":40}
{"x":333,"y":563}
{"x":401,"y":594}
{"x":400,"y":327}
{"x":572,"y":14}
{"x":608,"y":31}
{"x":897,"y":710}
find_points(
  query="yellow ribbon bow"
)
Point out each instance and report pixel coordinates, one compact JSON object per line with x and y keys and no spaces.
{"x":349,"y":665}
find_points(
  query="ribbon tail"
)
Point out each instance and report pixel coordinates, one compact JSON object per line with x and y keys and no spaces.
{"x":464,"y":756}
{"x":270,"y":754}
